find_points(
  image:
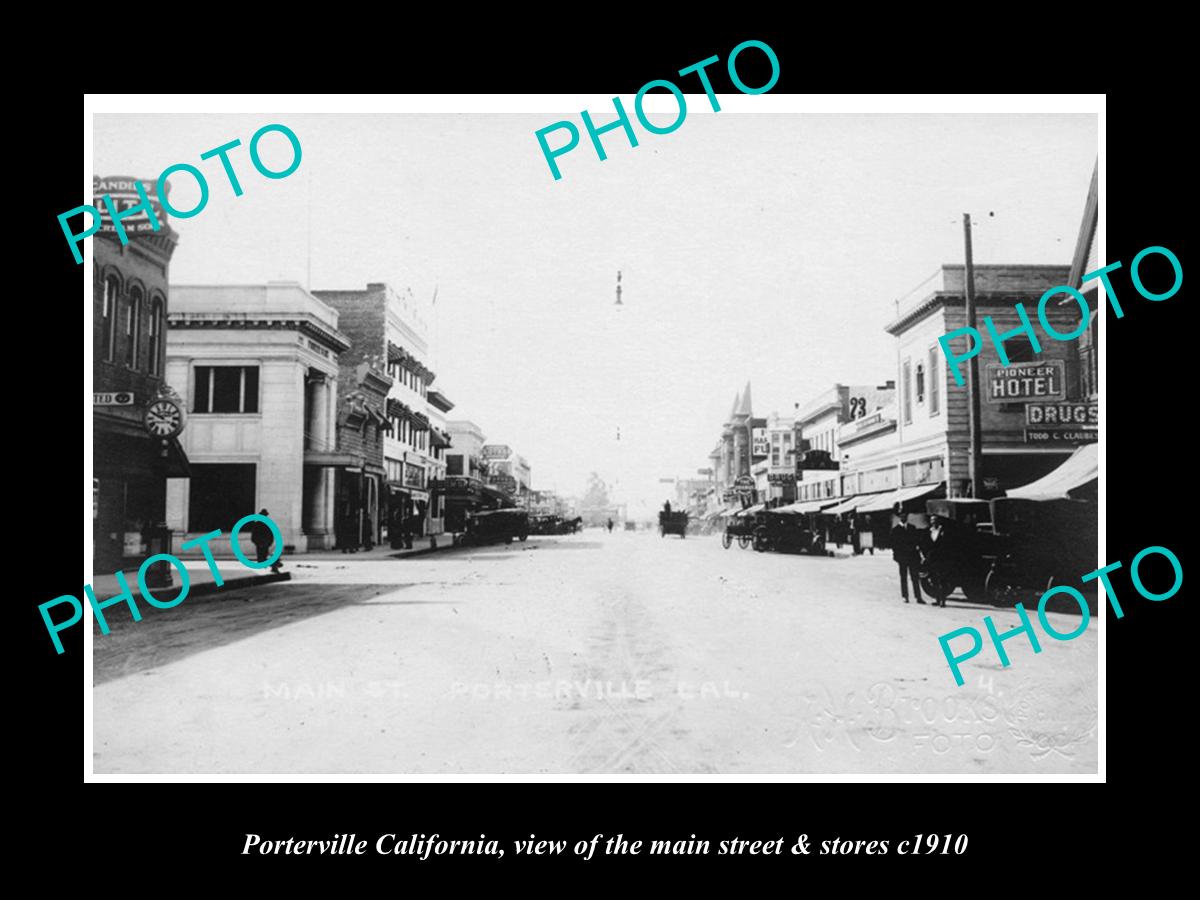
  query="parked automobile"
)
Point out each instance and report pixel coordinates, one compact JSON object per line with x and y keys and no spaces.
{"x":496,"y":526}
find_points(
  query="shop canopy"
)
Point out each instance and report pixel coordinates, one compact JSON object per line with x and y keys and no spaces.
{"x":1065,"y":482}
{"x":751,"y":511}
{"x":884,"y":502}
{"x":810,"y":506}
{"x":849,"y":504}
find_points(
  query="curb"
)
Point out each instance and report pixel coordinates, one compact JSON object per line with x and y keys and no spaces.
{"x":211,"y":587}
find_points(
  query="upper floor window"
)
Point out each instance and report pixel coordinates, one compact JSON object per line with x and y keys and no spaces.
{"x":133,"y":326}
{"x":109,"y":318}
{"x":935,"y":383}
{"x":226,"y":389}
{"x":1019,"y":349}
{"x":920,"y":382}
{"x":906,"y":390}
{"x":156,"y":336}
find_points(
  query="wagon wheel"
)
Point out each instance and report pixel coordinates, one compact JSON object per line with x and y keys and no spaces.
{"x":726,"y":540}
{"x":743,"y":541}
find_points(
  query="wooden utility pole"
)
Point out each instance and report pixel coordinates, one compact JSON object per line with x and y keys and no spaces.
{"x":976,"y":440}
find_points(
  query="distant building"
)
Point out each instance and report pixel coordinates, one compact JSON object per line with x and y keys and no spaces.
{"x":260,"y":366}
{"x":818,"y":424}
{"x":464,"y":488}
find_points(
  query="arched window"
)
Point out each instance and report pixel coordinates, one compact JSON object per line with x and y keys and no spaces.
{"x":108,"y":315}
{"x":133,"y":323}
{"x":156,"y":336}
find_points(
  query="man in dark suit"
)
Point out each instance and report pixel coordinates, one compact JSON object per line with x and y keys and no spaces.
{"x":907,"y":555}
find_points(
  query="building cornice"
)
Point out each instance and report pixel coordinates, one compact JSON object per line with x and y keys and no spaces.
{"x":305,"y":323}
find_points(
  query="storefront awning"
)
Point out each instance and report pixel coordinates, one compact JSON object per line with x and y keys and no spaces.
{"x":810,"y":506}
{"x":879,"y":502}
{"x":176,"y":461}
{"x":1065,"y":482}
{"x":850,"y":504}
{"x":885,"y":502}
{"x":751,"y":511}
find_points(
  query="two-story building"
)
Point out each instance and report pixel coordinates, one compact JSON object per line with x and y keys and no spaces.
{"x":818,"y":424}
{"x":932,"y":416}
{"x":260,"y":366}
{"x":137,"y":414}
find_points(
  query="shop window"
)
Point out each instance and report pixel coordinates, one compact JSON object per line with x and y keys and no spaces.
{"x":226,"y":389}
{"x":154,"y":362}
{"x":133,"y":325}
{"x":219,"y":494}
{"x":935,"y":383}
{"x":109,"y":317}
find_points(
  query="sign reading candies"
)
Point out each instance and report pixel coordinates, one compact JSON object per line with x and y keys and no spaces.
{"x":131,"y":208}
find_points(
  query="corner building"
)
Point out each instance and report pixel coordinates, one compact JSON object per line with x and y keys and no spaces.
{"x":132,"y":461}
{"x":260,"y":363}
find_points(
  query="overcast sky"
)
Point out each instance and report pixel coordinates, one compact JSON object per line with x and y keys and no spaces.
{"x":763,"y":248}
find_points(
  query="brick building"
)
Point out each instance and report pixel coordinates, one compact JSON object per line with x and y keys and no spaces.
{"x":382,"y":322}
{"x":363,"y":385}
{"x":136,"y":415}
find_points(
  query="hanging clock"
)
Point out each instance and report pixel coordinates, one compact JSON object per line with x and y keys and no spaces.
{"x":164,"y":418}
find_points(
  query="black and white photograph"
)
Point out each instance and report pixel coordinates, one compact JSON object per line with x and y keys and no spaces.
{"x":432,"y":437}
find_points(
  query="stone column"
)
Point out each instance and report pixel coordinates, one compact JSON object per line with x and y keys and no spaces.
{"x":317,"y":523}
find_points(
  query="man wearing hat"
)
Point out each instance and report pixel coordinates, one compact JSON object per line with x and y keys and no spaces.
{"x":906,"y":554}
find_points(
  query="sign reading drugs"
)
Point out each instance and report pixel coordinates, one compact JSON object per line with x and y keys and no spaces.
{"x":1076,"y":415}
{"x":1026,"y":381}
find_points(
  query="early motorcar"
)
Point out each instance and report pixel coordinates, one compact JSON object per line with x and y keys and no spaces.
{"x":496,"y":526}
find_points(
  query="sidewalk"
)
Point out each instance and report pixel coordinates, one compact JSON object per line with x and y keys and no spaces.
{"x":234,"y":574}
{"x":200,"y":580}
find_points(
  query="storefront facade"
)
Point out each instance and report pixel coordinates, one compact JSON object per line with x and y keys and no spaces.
{"x":137,"y":415}
{"x":1016,"y":397}
{"x":260,"y":366}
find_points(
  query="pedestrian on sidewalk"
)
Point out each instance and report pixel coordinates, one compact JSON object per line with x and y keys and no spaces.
{"x":262,"y":538}
{"x":610,"y":525}
{"x":906,"y":554}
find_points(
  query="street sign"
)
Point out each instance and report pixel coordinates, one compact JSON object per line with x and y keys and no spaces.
{"x":1085,"y":415}
{"x":1016,"y":382}
{"x":1055,"y":436}
{"x":744,"y":485}
{"x":113,"y":398}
